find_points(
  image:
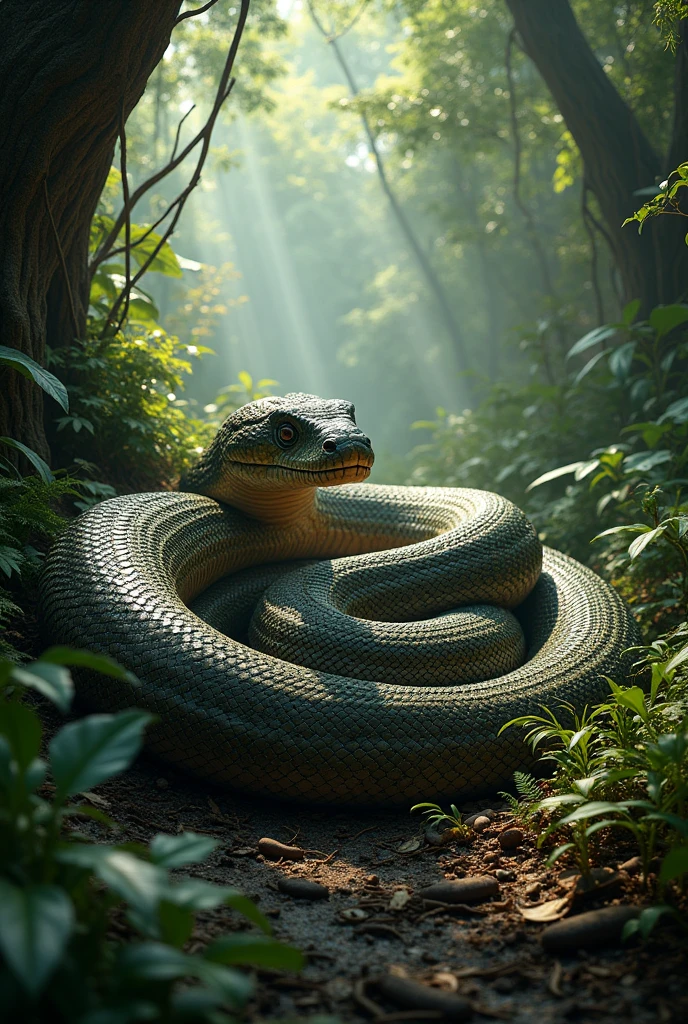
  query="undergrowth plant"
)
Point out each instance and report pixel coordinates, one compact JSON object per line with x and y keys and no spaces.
{"x":622,"y":765}
{"x":61,"y":959}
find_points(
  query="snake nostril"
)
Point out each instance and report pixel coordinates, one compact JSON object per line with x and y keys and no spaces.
{"x":366,"y":441}
{"x":329,"y":446}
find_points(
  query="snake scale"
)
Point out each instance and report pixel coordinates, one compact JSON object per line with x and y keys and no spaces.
{"x":302,"y":634}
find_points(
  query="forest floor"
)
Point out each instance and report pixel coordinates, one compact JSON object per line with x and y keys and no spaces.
{"x":373,"y":922}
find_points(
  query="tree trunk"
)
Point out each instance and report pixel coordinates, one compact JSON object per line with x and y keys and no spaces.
{"x":70,"y":72}
{"x":617,"y":157}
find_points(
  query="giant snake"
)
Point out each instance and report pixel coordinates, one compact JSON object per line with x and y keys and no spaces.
{"x":302,"y":634}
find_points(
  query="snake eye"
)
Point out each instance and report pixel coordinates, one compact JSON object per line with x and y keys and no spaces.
{"x":286,"y":435}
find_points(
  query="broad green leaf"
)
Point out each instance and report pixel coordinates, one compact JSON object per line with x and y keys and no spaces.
{"x":153,"y":961}
{"x":136,"y":881}
{"x":41,"y":467}
{"x":254,"y":951}
{"x":590,"y":365}
{"x":678,"y":659}
{"x":665,"y":318}
{"x":22,"y":728}
{"x":76,"y":658}
{"x":176,"y":923}
{"x":677,"y":411}
{"x":674,"y":864}
{"x":86,"y":753}
{"x":11,"y":560}
{"x":246,"y":380}
{"x":592,"y":809}
{"x":586,"y":469}
{"x":36,"y":922}
{"x":28,"y":367}
{"x":593,"y":337}
{"x":234,"y":987}
{"x":176,"y":851}
{"x":632,"y":698}
{"x":53,"y":681}
{"x":634,"y":528}
{"x":165,"y":261}
{"x":641,"y":542}
{"x":554,"y":473}
{"x":642,"y":462}
{"x":621,"y":359}
{"x":630,"y":312}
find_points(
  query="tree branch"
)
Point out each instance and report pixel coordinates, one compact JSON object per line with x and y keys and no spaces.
{"x":203,"y":136}
{"x":426,"y":267}
{"x":197,"y":11}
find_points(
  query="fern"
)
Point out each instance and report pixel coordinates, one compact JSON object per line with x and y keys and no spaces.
{"x":525,"y":805}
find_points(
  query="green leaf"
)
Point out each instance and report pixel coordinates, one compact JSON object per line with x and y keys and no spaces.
{"x":554,"y":473}
{"x":53,"y":681}
{"x":678,"y":659}
{"x":593,"y":337}
{"x":176,"y":923}
{"x":41,"y":467}
{"x":153,"y":961}
{"x":36,"y":922}
{"x":621,"y":359}
{"x":634,"y":528}
{"x":176,"y":851}
{"x":28,"y":367}
{"x":165,"y":261}
{"x":590,"y":365}
{"x":87,"y":659}
{"x":11,"y":560}
{"x":630,"y":312}
{"x":86,"y":753}
{"x":136,"y":881}
{"x":556,"y":854}
{"x":674,"y":864}
{"x":665,"y":318}
{"x":640,"y":543}
{"x":254,"y":951}
{"x":22,"y":728}
{"x":632,"y":698}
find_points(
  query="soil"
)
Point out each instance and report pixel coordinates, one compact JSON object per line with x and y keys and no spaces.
{"x":375,"y":922}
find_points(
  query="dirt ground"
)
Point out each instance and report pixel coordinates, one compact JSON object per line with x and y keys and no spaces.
{"x":374,"y":922}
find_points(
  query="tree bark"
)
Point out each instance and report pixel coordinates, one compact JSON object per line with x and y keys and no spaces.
{"x":617,"y":156}
{"x":70,"y":72}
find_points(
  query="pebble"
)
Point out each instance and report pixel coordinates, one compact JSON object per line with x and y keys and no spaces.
{"x":481,"y":823}
{"x":414,"y":996}
{"x":632,"y":867}
{"x":533,"y":890}
{"x":274,"y":850}
{"x":586,"y":931}
{"x":302,"y":889}
{"x":510,"y":839}
{"x":489,"y":814}
{"x":505,"y":876}
{"x":473,"y":889}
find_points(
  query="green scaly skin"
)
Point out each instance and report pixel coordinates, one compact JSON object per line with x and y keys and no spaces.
{"x":421,"y":621}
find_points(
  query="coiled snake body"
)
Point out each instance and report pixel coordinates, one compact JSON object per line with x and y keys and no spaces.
{"x":380,"y":673}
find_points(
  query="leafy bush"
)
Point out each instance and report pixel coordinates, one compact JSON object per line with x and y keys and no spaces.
{"x":617,"y":426}
{"x":126,"y":415}
{"x":622,"y":764}
{"x":59,"y":957}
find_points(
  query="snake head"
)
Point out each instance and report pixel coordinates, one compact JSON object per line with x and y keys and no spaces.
{"x":290,"y":443}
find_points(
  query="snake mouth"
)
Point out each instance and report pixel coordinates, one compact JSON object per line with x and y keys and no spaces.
{"x":351,"y":471}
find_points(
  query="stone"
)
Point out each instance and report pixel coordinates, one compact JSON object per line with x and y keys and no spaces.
{"x":632,"y":867}
{"x":592,"y":929}
{"x":505,"y":876}
{"x":411,"y":995}
{"x":302,"y":889}
{"x":473,"y":889}
{"x":510,"y":839}
{"x":481,"y":823}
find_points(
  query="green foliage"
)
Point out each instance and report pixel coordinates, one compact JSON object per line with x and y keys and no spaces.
{"x":60,"y":959}
{"x":126,"y":412}
{"x":435,"y":816}
{"x":523,"y":440}
{"x":666,"y":199}
{"x":622,"y":764}
{"x":525,"y":805}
